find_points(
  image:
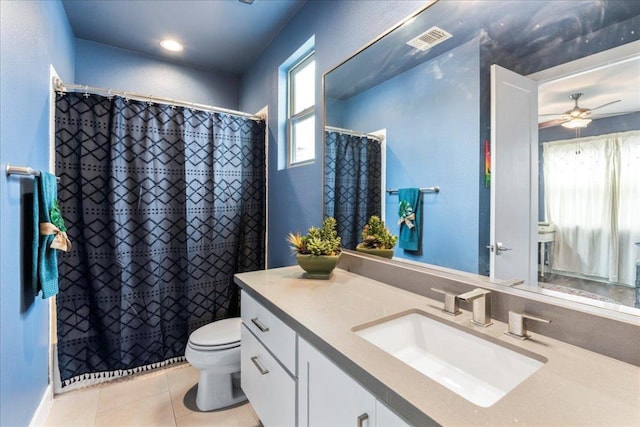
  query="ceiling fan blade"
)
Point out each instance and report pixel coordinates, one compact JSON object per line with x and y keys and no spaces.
{"x":604,"y":105}
{"x":551,"y":123}
{"x":605,"y":115}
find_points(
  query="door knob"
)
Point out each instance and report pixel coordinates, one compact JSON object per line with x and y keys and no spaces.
{"x":498,"y":248}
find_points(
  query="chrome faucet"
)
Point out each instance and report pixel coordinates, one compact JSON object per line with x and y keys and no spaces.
{"x":481,"y":306}
{"x":451,"y":305}
{"x":518,"y":326}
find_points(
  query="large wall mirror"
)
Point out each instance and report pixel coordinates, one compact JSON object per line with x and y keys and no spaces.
{"x":412,"y":112}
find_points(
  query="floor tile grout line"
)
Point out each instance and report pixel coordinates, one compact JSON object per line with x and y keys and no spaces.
{"x":173,"y":408}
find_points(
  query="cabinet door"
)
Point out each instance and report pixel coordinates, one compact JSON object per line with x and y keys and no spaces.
{"x":327,"y":396}
{"x":385,"y":417}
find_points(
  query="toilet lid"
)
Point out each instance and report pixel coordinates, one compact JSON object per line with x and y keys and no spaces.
{"x":222,"y":333}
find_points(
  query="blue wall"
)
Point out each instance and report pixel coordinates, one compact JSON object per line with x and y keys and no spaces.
{"x":110,"y":67}
{"x":340,"y":28}
{"x":438,"y":149}
{"x":32,"y":36}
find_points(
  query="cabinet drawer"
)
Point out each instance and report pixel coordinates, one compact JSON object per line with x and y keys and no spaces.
{"x":271,"y":391}
{"x":271,"y":331}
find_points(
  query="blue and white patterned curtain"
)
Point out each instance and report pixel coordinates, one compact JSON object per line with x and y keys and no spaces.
{"x":352,"y":183}
{"x":163,"y":206}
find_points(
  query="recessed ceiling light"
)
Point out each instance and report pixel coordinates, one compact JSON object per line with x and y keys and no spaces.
{"x":171,"y":45}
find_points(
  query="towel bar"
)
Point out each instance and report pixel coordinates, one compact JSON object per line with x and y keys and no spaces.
{"x":23,"y":170}
{"x":434,"y":189}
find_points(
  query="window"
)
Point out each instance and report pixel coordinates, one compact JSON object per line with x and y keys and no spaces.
{"x":591,"y":195}
{"x":301,"y":117}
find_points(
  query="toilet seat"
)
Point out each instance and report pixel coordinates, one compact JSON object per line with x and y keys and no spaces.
{"x":216,"y":336}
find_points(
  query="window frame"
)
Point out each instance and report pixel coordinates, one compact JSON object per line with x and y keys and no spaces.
{"x":292,"y":118}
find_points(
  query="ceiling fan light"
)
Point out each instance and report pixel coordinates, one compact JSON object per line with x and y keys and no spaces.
{"x":171,"y":45}
{"x":576,"y":123}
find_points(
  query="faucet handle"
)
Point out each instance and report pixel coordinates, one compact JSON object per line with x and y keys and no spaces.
{"x":518,"y":326}
{"x":451,"y":305}
{"x":474,"y":294}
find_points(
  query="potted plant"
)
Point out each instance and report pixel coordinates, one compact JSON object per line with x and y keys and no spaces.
{"x":317,"y":252}
{"x":376,"y":239}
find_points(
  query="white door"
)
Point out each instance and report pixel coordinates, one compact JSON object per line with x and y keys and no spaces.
{"x":514,"y":176}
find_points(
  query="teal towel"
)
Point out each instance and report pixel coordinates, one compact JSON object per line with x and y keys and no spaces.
{"x":45,"y":261}
{"x":410,"y":237}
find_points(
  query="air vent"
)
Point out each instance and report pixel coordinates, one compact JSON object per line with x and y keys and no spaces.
{"x":429,"y":38}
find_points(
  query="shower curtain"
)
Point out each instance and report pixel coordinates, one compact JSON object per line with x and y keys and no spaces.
{"x":352,"y":183}
{"x":163,"y":206}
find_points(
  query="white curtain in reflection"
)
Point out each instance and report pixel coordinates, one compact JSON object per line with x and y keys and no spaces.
{"x":592,"y":195}
{"x":629,"y":205}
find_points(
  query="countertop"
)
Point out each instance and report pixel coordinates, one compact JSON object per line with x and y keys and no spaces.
{"x":575,"y":386}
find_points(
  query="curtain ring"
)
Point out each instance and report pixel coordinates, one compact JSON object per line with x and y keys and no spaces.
{"x":86,"y":91}
{"x":109,"y":95}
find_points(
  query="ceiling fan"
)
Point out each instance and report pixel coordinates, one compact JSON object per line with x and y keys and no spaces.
{"x":577,"y":117}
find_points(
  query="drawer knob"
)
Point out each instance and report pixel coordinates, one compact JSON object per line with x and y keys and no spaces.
{"x":362,"y":418}
{"x":259,"y":324}
{"x":258,"y":365}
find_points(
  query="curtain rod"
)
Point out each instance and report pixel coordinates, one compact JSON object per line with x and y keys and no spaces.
{"x":434,"y":189}
{"x":61,"y":87}
{"x":353,"y":132}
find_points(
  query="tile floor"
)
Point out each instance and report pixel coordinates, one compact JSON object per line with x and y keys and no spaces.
{"x":164,"y":397}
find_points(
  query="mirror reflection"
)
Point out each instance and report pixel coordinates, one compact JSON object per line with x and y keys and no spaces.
{"x":417,"y":116}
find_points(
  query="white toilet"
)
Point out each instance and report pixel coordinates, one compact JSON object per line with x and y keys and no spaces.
{"x":215,"y":350}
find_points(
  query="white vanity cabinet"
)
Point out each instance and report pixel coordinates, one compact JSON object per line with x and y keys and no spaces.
{"x":328,"y":397}
{"x":268,"y":353}
{"x":274,"y":378}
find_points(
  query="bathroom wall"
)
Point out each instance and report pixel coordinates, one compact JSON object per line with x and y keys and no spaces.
{"x":435,"y":149}
{"x":110,"y":67}
{"x":32,"y":36}
{"x":340,"y":28}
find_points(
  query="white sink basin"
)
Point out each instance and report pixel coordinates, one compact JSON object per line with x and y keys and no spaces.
{"x":479,"y":370}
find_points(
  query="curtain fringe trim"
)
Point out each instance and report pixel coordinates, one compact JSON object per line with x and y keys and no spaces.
{"x":94,"y":378}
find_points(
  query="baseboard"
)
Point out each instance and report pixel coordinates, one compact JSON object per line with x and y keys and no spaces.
{"x":42,"y":412}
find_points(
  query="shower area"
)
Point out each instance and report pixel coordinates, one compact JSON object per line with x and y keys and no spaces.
{"x":164,"y":203}
{"x":353,"y":180}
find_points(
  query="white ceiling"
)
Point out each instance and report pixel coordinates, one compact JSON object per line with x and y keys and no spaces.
{"x":611,"y":82}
